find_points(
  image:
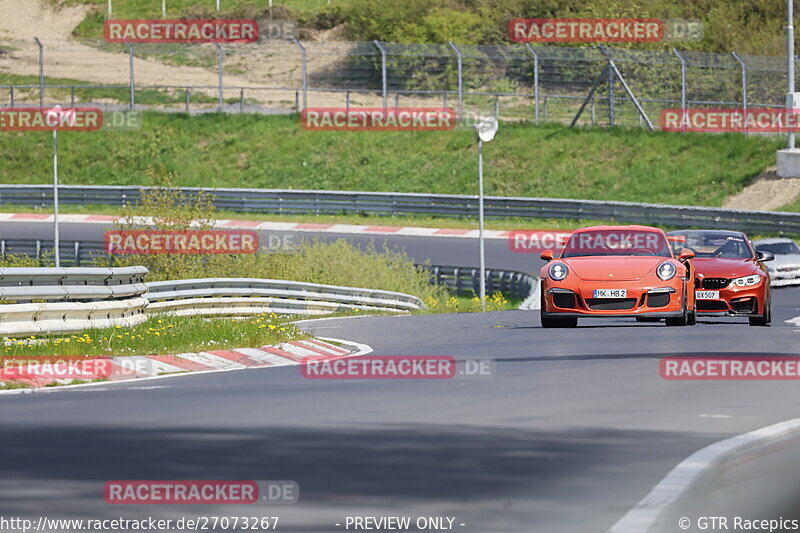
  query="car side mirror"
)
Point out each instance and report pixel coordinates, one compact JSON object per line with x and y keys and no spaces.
{"x":765,"y":256}
{"x":685,"y":254}
{"x":547,"y":255}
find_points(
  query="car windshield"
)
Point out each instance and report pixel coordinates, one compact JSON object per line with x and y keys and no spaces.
{"x":713,"y":244}
{"x":612,"y":242}
{"x":779,"y":248}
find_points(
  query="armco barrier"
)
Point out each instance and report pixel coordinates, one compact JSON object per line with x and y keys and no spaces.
{"x":241,"y":296}
{"x":466,"y":280}
{"x":444,"y":205}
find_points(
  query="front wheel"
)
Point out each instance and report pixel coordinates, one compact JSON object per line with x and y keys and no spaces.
{"x":559,"y":322}
{"x":764,"y":319}
{"x":682,"y":320}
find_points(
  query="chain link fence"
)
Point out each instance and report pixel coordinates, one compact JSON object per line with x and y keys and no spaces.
{"x":514,"y":82}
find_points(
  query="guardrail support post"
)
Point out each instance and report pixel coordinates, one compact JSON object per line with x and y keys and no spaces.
{"x":384,"y":77}
{"x":683,"y":88}
{"x":460,"y":60}
{"x":130,"y":75}
{"x":41,"y":71}
{"x":535,"y":80}
{"x":744,"y":87}
{"x":219,"y":69}
{"x":304,"y":70}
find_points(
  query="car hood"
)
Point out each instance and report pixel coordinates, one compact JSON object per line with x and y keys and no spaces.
{"x":617,"y":268}
{"x":717,"y":267}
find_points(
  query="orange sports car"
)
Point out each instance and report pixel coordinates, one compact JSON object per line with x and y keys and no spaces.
{"x":731,"y":278}
{"x":613,"y":271}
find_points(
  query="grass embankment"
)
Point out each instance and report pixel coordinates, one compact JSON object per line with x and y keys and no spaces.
{"x":160,"y":335}
{"x":524,"y":160}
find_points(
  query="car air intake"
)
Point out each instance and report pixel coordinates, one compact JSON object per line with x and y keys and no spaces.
{"x":714,"y":284}
{"x":658,"y":299}
{"x":610,"y":304}
{"x":564,"y":300}
{"x":711,"y":305}
{"x":744,"y":305}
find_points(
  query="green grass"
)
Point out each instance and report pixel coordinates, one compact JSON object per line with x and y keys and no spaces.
{"x":162,"y":335}
{"x":793,"y":207}
{"x":524,"y":160}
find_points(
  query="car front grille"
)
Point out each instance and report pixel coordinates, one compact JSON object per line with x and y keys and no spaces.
{"x":714,"y":284}
{"x":610,"y":304}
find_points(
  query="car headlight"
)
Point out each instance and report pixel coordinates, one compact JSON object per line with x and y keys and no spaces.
{"x":558,"y":271}
{"x":747,"y":281}
{"x":666,"y":271}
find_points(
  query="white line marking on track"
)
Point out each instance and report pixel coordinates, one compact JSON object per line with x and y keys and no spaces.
{"x":646,"y":513}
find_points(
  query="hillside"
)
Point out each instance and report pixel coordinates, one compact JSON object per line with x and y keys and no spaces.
{"x":525,"y":160}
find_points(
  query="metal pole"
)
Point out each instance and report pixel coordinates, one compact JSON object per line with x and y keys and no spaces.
{"x":219,"y":69}
{"x":217,"y":5}
{"x":460,"y":80}
{"x":535,"y":80}
{"x":384,"y":77}
{"x":304,"y":69}
{"x":610,"y":96}
{"x":744,"y":87}
{"x":683,"y":88}
{"x":55,"y":197}
{"x":130,"y":68}
{"x":164,"y":8}
{"x":109,"y":9}
{"x":41,"y":71}
{"x":790,"y":60}
{"x":480,"y":222}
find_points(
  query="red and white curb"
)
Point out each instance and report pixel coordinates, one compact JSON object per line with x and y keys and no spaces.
{"x":130,"y":368}
{"x":273,"y":226}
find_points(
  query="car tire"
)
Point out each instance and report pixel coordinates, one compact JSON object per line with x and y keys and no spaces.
{"x":682,"y":320}
{"x":559,"y":322}
{"x":764,"y":319}
{"x":692,"y":319}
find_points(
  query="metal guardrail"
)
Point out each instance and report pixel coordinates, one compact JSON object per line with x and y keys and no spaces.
{"x":93,"y":298}
{"x":242,"y":295}
{"x":444,"y":205}
{"x":466,"y":280}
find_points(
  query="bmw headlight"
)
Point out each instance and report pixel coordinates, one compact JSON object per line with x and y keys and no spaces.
{"x":558,"y":271}
{"x":666,"y":271}
{"x":747,"y":281}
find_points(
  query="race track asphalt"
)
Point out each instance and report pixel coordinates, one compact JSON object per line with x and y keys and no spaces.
{"x":571,"y":431}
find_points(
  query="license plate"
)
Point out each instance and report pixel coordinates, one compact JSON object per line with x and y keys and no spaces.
{"x":707,"y":295}
{"x":610,"y":293}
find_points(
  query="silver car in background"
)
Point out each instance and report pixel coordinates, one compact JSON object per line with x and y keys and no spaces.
{"x":785,"y":269}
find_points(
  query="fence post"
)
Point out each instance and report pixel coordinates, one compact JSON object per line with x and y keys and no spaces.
{"x":11,"y":94}
{"x":610,"y":95}
{"x":186,"y":98}
{"x":241,"y":100}
{"x":130,"y":68}
{"x":683,"y":88}
{"x":109,"y":9}
{"x":460,"y":80}
{"x":384,"y":77}
{"x":612,"y":69}
{"x":535,"y":80}
{"x":163,"y":8}
{"x":744,"y":87}
{"x":41,"y":71}
{"x":304,"y":69}
{"x":219,"y":69}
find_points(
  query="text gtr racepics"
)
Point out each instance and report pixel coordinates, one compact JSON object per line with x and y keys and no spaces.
{"x":732,"y":279}
{"x":612,"y":271}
